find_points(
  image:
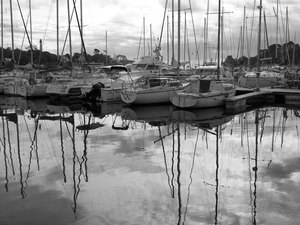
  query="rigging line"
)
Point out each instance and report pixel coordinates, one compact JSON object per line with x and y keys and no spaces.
{"x":217,"y":176}
{"x":195,"y":37}
{"x":23,"y":41}
{"x":178,"y":175}
{"x":30,"y":153}
{"x":62,"y":149}
{"x":80,"y":31}
{"x":249,"y":162}
{"x":273,"y":132}
{"x":74,"y":207}
{"x":283,"y":125}
{"x":48,"y":19}
{"x":5,"y":156}
{"x":162,"y":26}
{"x":27,"y":127}
{"x":165,"y":159}
{"x":51,"y":141}
{"x":191,"y":179}
{"x":263,"y":124}
{"x":251,"y":33}
{"x":72,"y":138}
{"x":172,"y":167}
{"x":256,"y":166}
{"x":66,"y":37}
{"x":84,"y":156}
{"x":23,"y":194}
{"x":25,"y":27}
{"x":10,"y":148}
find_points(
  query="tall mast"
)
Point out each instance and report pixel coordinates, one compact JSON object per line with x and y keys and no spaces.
{"x":219,"y":36}
{"x":69,"y":27}
{"x":151,"y":48}
{"x":57,"y":30}
{"x":204,"y":40}
{"x":222,"y":35}
{"x":105,"y":47}
{"x":184,"y":38}
{"x":178,"y":38}
{"x":259,"y":36}
{"x":276,"y":49}
{"x":173,"y":33}
{"x":2,"y":54}
{"x":168,"y":50}
{"x":206,"y":34}
{"x":144,"y":37}
{"x":30,"y":23}
{"x":12,"y":31}
{"x":196,"y":45}
{"x":81,"y":23}
{"x":243,"y":32}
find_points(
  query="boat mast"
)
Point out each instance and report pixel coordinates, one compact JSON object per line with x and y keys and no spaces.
{"x":195,"y":37}
{"x":219,"y":36}
{"x":12,"y":31}
{"x":243,"y":33}
{"x":204,"y":41}
{"x":144,"y":37}
{"x":259,"y":37}
{"x":168,"y":38}
{"x":81,"y":23}
{"x":57,"y":30}
{"x":151,"y":48}
{"x":105,"y":47}
{"x":178,"y":39}
{"x":222,"y":36}
{"x":30,"y":23}
{"x":258,"y":45}
{"x":69,"y":28}
{"x":173,"y":34}
{"x":276,"y":49}
{"x":206,"y":35}
{"x":184,"y":38}
{"x":2,"y":53}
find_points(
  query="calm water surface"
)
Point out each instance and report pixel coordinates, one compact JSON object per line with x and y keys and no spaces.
{"x":147,"y":165}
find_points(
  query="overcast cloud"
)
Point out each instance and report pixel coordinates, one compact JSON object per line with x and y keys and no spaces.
{"x":123,"y":21}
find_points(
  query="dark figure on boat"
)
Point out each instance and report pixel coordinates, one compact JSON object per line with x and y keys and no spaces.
{"x":94,"y":93}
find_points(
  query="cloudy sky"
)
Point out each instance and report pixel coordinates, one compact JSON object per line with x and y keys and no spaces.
{"x":123,"y":21}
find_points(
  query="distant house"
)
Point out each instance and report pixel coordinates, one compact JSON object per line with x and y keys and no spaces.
{"x":119,"y":58}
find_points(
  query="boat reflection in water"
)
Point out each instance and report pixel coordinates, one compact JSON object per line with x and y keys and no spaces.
{"x":149,"y":165}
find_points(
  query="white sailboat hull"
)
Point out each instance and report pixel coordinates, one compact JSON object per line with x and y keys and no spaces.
{"x":110,"y":94}
{"x":38,"y":90}
{"x":190,"y":100}
{"x":12,"y":89}
{"x":148,"y":96}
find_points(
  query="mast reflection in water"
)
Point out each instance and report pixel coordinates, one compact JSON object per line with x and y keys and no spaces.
{"x":148,"y":165}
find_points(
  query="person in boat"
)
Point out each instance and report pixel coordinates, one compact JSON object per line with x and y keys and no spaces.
{"x":94,"y":93}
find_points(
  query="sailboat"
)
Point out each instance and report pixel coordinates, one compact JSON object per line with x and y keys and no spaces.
{"x":204,"y":92}
{"x":151,"y":90}
{"x":154,"y":89}
{"x":260,"y":77}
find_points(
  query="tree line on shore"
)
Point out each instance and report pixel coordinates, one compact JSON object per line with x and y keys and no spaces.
{"x":287,"y":54}
{"x":49,"y":60}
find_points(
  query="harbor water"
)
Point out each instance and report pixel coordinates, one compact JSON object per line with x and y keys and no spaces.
{"x":116,"y":164}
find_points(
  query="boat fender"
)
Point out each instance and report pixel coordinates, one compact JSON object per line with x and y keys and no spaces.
{"x":33,"y":114}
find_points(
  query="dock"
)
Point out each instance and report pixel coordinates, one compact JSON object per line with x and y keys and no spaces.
{"x":263,"y":96}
